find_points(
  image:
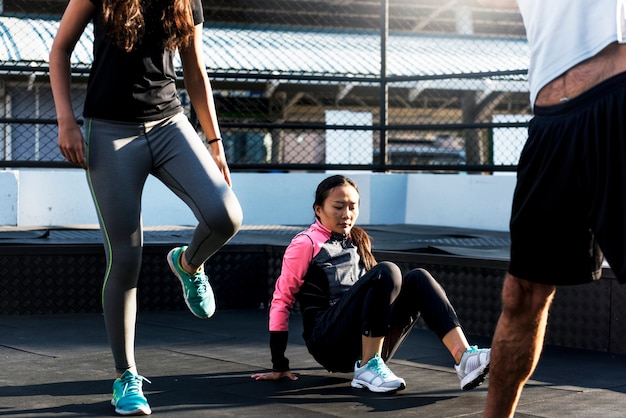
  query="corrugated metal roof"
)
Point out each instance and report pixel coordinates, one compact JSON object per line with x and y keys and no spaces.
{"x":28,"y":41}
{"x":297,"y":51}
{"x":358,"y":53}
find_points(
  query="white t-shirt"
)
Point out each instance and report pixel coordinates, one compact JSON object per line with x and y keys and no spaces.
{"x":562,"y":33}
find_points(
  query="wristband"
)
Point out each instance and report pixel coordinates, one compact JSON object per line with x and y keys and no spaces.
{"x":278,"y":346}
{"x":214,"y":140}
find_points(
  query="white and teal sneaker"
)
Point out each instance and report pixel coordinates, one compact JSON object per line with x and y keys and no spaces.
{"x":474,"y":367}
{"x":128,"y":397}
{"x":197,"y":290}
{"x":376,"y":376}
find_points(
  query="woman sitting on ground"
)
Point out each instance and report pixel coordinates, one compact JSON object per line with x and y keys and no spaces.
{"x":356,"y":312}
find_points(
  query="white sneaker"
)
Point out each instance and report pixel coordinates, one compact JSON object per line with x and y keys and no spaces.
{"x":474,"y":367}
{"x":376,"y":376}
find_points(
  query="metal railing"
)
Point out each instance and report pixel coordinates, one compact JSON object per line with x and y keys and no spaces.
{"x":344,"y":89}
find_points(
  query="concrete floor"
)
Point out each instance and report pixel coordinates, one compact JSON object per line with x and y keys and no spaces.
{"x":61,"y":366}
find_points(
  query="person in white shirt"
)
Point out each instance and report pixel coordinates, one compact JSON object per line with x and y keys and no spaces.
{"x":569,"y":205}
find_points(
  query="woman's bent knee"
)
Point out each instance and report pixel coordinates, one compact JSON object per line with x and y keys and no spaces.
{"x":389,"y":268}
{"x":226,"y":223}
{"x":419,"y":278}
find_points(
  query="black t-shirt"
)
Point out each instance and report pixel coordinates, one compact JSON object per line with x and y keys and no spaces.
{"x":133,"y":86}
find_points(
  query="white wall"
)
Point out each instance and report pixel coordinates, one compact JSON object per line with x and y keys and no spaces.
{"x":54,"y":197}
{"x":287,"y":198}
{"x":466,"y":201}
{"x":388,"y":203}
{"x":8,"y":197}
{"x":37,"y":197}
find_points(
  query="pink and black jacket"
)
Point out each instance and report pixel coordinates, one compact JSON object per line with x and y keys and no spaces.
{"x":318,"y":267}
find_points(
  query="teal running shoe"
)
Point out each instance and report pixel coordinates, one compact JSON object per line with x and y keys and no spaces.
{"x":197,"y":290}
{"x":128,"y":397}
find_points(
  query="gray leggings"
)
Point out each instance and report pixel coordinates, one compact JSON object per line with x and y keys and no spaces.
{"x":120,"y":156}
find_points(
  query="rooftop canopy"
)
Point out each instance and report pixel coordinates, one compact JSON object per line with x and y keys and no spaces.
{"x":25,"y":42}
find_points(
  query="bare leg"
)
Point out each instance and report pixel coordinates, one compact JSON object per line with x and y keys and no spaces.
{"x":517,"y":343}
{"x":370,"y":346}
{"x":456,"y":343}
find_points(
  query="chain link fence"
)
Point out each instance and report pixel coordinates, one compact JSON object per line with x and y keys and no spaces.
{"x":383,"y":85}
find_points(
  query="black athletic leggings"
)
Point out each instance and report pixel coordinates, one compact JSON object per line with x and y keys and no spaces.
{"x":381,"y":303}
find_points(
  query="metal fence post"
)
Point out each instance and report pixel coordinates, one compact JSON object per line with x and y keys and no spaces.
{"x":384,"y":88}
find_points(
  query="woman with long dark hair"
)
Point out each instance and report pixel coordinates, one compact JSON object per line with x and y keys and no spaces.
{"x":135,"y":127}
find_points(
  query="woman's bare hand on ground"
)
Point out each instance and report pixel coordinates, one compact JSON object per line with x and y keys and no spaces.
{"x":274,"y":376}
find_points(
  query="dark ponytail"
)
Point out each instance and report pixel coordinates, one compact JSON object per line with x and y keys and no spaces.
{"x":363,"y":243}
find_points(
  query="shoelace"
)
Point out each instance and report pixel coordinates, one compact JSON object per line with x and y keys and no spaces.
{"x":200,"y":281}
{"x":472,"y":349}
{"x":381,"y":368}
{"x":132,"y":383}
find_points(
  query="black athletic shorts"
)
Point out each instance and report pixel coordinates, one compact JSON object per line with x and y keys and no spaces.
{"x":569,"y":205}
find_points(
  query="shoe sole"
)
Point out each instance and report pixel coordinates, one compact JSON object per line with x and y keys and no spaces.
{"x":376,"y":389}
{"x":170,"y":262}
{"x":481,"y":375}
{"x":138,"y":411}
